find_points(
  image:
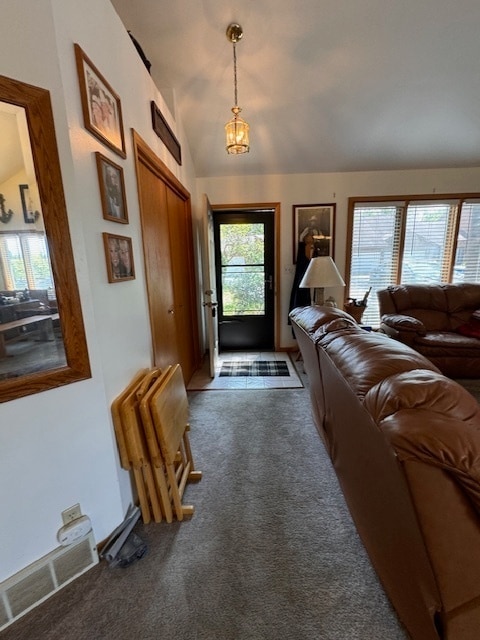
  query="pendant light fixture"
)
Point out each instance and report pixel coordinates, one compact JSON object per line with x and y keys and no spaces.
{"x":236,"y":129}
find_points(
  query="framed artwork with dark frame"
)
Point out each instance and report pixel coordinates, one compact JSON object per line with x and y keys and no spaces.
{"x":119,"y":257}
{"x":101,"y":107}
{"x":29,"y":215}
{"x":112,"y":189}
{"x":314,"y":226}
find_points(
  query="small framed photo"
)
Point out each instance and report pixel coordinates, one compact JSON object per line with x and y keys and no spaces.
{"x":102,"y":111}
{"x":119,"y":257}
{"x":313,"y":230}
{"x":112,"y":189}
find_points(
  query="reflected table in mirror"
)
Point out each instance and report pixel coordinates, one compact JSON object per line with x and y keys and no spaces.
{"x":30,"y":344}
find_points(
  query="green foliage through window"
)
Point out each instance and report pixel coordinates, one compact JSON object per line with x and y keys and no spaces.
{"x":243,"y":272}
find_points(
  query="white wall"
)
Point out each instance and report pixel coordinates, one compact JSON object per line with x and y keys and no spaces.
{"x":326,"y":188}
{"x":57,"y":448}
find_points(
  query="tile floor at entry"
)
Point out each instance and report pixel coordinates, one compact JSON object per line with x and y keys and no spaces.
{"x":202,"y":381}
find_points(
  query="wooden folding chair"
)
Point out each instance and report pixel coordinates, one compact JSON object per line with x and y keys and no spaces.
{"x":169,"y":412}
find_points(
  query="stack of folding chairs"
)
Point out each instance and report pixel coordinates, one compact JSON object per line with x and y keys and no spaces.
{"x":150,"y":418}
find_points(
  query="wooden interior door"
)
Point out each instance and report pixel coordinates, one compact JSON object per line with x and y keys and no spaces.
{"x":169,"y":263}
{"x":184,"y":281}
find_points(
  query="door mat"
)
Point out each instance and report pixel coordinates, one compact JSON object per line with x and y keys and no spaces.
{"x":256,"y":368}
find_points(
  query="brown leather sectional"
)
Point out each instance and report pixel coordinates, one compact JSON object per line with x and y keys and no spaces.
{"x":405,"y":444}
{"x":439,"y":321}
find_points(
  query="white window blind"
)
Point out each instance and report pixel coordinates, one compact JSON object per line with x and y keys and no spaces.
{"x":25,"y":261}
{"x":427,"y":252}
{"x":415,"y":241}
{"x":374,"y":252}
{"x":466,"y":267}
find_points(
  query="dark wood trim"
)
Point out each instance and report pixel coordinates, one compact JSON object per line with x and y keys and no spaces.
{"x":37,"y":105}
{"x":164,"y":132}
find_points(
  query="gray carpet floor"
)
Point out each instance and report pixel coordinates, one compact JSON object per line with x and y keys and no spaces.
{"x":271,"y":552}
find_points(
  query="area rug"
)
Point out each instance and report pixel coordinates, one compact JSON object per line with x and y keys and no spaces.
{"x":262,"y":368}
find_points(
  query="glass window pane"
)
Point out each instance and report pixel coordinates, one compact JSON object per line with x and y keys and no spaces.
{"x":242,"y":243}
{"x":428,"y":243}
{"x":466,"y":267}
{"x":37,"y":261}
{"x":25,"y":262}
{"x":13,"y":263}
{"x":374,"y":254}
{"x":243,"y":272}
{"x":243,"y":290}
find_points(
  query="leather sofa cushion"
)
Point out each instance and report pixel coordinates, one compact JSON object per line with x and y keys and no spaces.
{"x":449,"y":339}
{"x":311,"y":318}
{"x":316,"y":321}
{"x":442,"y":307}
{"x":432,"y":419}
{"x":364,"y":359}
{"x":421,"y":389}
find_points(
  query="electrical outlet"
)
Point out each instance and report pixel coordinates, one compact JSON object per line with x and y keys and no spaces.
{"x":71,"y":514}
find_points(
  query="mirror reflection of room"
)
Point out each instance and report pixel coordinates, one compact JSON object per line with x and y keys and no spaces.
{"x":30,"y":335}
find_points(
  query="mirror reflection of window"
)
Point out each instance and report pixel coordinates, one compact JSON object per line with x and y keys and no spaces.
{"x":30,"y":334}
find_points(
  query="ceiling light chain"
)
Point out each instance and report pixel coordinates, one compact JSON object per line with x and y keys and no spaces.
{"x":235,"y":95}
{"x":236,"y":129}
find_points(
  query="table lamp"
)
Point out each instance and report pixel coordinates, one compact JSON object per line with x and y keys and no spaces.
{"x":321,"y":272}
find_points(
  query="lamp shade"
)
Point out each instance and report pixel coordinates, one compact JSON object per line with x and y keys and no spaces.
{"x":321,"y":272}
{"x":236,"y":131}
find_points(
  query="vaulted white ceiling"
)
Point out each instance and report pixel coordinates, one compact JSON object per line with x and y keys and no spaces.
{"x":326,"y":85}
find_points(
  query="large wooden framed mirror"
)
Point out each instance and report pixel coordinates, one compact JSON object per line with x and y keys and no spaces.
{"x":42,"y":336}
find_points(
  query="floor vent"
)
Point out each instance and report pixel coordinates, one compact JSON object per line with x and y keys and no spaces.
{"x":37,"y":582}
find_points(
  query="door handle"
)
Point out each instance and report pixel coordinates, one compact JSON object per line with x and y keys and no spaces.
{"x":269,"y":282}
{"x":210,"y":304}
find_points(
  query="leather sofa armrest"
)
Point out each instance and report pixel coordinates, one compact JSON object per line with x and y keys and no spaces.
{"x":402,"y":328}
{"x":403,"y":323}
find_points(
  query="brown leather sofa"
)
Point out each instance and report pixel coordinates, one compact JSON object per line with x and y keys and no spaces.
{"x":405,"y":444}
{"x":438,"y":321}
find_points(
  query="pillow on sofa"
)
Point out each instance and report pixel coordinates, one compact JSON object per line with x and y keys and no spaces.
{"x":472,"y":327}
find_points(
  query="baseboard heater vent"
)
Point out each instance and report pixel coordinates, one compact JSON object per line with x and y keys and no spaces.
{"x":28,"y":588}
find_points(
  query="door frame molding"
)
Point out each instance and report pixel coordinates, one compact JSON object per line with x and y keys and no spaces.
{"x":275,"y":206}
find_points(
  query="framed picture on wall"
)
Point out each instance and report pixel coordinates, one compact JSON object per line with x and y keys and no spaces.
{"x":101,"y":107}
{"x":112,"y":189}
{"x":119,"y":257}
{"x":314,"y":227}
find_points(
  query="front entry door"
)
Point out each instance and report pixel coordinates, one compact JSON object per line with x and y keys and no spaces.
{"x":244,"y":259}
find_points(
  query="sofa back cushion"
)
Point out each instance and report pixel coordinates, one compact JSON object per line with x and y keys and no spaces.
{"x":432,"y":419}
{"x":364,"y":359}
{"x":440,"y":307}
{"x":316,"y":318}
